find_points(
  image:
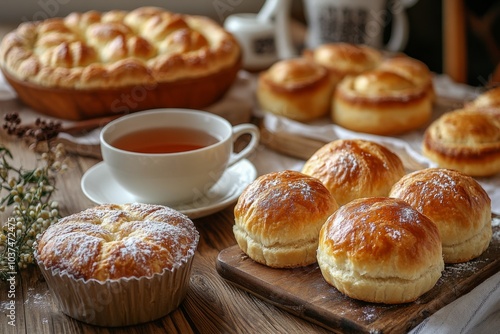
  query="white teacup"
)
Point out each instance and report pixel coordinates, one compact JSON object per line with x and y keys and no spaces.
{"x":171,"y":177}
{"x":357,"y":22}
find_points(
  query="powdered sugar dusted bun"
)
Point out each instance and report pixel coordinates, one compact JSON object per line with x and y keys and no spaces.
{"x":295,"y":88}
{"x":355,"y":168}
{"x":456,"y":203}
{"x":467,"y":140}
{"x":118,"y":241}
{"x":380,"y":250}
{"x":278,"y":218}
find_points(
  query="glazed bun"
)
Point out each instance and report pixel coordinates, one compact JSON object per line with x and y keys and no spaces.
{"x":343,"y":59}
{"x":466,"y":140}
{"x":354,"y":168}
{"x":456,"y":203}
{"x":381,"y":102}
{"x":412,"y":69}
{"x":278,"y":218}
{"x":490,"y":99}
{"x":296,"y":88}
{"x":380,"y":250}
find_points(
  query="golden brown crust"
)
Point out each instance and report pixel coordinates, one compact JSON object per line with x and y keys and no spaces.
{"x":355,"y":168}
{"x":295,"y":88}
{"x":343,"y":59}
{"x":411,"y":69}
{"x":380,"y":250}
{"x":465,"y":140}
{"x":95,"y":50}
{"x":456,"y":203}
{"x":381,"y":102}
{"x":118,"y":241}
{"x":278,"y":218}
{"x":487,"y":100}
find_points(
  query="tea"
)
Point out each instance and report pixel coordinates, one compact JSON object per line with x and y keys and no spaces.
{"x":164,"y":140}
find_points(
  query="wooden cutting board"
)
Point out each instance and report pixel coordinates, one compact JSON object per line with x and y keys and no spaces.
{"x":304,"y":292}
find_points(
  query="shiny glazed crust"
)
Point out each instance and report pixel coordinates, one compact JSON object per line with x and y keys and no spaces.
{"x":95,"y":64}
{"x":295,"y":88}
{"x":456,"y":203}
{"x":487,"y":100}
{"x":118,"y":241}
{"x":383,"y":101}
{"x":466,"y":140}
{"x":343,"y":59}
{"x":278,"y":218}
{"x":380,"y":250}
{"x":352,"y":169}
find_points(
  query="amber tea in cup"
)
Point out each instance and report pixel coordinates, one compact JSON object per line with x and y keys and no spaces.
{"x":172,"y":156}
{"x":164,"y":140}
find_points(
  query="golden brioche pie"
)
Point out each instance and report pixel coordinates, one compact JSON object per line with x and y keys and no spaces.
{"x":92,"y":64}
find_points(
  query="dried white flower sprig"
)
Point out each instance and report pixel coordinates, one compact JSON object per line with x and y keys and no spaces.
{"x":25,"y":196}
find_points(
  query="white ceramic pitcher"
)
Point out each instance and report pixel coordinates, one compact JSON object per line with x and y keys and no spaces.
{"x":265,"y":36}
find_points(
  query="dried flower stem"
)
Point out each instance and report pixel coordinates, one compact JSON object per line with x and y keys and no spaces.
{"x":27,"y":193}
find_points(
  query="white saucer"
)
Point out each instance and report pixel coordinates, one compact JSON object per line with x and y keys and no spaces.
{"x":100,"y":187}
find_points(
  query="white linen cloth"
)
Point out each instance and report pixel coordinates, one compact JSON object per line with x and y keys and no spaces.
{"x":476,"y":312}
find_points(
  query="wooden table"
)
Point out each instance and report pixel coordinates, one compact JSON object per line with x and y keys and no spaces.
{"x":212,"y":305}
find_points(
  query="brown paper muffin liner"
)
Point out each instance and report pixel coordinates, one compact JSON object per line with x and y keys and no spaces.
{"x":119,"y":302}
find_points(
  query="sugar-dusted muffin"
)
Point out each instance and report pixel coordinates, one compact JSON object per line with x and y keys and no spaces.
{"x":117,"y":265}
{"x":93,"y":64}
{"x":278,"y":218}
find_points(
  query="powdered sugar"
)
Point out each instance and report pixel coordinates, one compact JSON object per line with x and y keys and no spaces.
{"x":109,"y":237}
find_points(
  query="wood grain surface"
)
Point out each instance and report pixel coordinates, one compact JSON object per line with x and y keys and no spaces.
{"x":304,"y":292}
{"x":212,"y":305}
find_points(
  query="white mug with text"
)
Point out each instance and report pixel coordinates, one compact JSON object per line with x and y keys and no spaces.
{"x":357,"y":22}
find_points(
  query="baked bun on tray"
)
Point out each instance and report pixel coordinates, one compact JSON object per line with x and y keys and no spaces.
{"x":380,"y":250}
{"x":278,"y":218}
{"x":456,"y":203}
{"x":355,"y":168}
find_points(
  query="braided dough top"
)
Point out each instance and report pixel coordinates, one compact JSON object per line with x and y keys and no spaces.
{"x":117,"y":48}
